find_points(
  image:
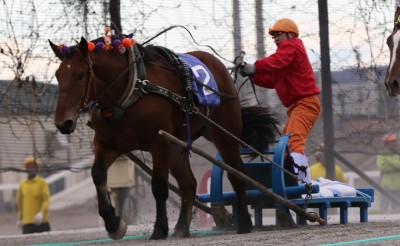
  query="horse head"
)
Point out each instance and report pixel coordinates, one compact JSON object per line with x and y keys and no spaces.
{"x":74,"y":76}
{"x":392,"y":78}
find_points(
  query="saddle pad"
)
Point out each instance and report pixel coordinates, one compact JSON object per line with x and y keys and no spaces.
{"x":199,"y":70}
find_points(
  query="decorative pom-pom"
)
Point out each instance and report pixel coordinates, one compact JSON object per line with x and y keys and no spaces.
{"x":127,"y":42}
{"x":91,"y":46}
{"x":116,"y":43}
{"x":99,"y":46}
{"x":64,"y":50}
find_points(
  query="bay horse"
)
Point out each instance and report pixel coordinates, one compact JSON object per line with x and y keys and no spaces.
{"x":131,"y":92}
{"x":392,"y":77}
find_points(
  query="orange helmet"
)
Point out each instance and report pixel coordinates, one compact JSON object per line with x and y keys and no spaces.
{"x":284,"y":25}
{"x":30,"y":160}
{"x":389,"y":137}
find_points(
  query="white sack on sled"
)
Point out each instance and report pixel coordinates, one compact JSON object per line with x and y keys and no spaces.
{"x":329,"y":188}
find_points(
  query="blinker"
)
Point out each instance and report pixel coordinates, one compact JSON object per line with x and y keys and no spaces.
{"x":397,"y":23}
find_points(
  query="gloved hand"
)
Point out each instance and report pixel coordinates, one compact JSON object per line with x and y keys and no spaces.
{"x":19,"y":224}
{"x":38,"y":219}
{"x":248,"y":70}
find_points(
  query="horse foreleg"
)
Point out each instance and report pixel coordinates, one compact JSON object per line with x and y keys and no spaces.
{"x":159,"y":187}
{"x":187,"y":186}
{"x":115,"y":226}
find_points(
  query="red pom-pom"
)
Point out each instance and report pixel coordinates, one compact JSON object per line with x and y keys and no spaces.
{"x":127,"y":42}
{"x":91,"y":46}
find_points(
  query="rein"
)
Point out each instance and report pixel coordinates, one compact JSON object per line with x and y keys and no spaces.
{"x":176,"y":26}
{"x":208,"y":46}
{"x":187,"y":76}
{"x":239,"y":64}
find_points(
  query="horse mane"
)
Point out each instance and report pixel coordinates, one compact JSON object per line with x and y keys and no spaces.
{"x":149,"y":52}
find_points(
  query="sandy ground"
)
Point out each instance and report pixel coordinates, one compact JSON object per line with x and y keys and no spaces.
{"x":81,"y":223}
{"x":381,"y":230}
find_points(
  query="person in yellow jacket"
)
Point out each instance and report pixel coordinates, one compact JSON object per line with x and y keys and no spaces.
{"x":318,"y":169}
{"x":33,"y":200}
{"x":388,"y":162}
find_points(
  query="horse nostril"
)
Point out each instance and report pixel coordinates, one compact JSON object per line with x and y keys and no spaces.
{"x":395,"y":85}
{"x":67,"y":127}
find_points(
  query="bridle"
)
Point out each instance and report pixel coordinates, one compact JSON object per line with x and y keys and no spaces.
{"x":86,"y":105}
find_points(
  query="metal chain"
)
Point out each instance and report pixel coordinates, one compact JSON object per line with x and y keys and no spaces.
{"x":308,"y":195}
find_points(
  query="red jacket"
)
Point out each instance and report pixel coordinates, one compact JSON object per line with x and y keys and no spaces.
{"x":288,"y":71}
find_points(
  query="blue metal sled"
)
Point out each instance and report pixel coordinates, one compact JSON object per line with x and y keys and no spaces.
{"x":272,"y":177}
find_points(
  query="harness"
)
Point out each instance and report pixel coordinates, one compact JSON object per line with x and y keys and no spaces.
{"x":136,"y":72}
{"x":138,"y":85}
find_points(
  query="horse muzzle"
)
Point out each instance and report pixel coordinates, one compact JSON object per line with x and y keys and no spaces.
{"x":393,"y":87}
{"x":66,"y":127}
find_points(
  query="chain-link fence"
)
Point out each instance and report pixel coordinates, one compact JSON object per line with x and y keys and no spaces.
{"x":362,"y":110}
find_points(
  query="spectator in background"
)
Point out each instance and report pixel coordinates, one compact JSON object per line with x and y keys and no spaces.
{"x":318,"y":169}
{"x":33,"y":199}
{"x":388,"y":162}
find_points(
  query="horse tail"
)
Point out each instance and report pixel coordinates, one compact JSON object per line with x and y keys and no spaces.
{"x":259,"y":127}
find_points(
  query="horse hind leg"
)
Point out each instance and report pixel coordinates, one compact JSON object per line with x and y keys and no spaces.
{"x":159,"y":187}
{"x":231,"y":156}
{"x":244,"y":223}
{"x":115,"y":225}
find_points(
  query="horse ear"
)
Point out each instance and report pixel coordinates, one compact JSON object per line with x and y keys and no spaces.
{"x":56,"y":50}
{"x":83,"y":46}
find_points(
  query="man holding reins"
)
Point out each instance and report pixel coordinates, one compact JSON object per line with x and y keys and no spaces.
{"x":290,"y":73}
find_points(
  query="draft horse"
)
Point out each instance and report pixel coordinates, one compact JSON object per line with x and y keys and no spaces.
{"x":101,"y":76}
{"x":392,"y":77}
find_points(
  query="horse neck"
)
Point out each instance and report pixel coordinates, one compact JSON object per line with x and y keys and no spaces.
{"x":107,"y":67}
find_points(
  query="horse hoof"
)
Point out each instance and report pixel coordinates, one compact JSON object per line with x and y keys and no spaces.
{"x":120,"y":233}
{"x":181,"y":233}
{"x":159,"y":235}
{"x":244,"y":230}
{"x":245,"y":227}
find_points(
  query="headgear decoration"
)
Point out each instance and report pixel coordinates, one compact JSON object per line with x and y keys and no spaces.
{"x":109,"y":42}
{"x":64,"y":50}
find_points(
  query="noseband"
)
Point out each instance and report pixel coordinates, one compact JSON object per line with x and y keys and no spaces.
{"x":86,"y":105}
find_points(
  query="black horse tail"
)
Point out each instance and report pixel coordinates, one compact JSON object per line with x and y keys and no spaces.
{"x":259,"y":127}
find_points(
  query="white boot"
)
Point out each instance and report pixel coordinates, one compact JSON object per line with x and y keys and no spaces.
{"x":301,"y":160}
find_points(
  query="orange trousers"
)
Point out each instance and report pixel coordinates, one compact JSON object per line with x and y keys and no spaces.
{"x":302,"y":116}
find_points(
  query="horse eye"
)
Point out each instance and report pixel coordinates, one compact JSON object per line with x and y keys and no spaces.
{"x":81,"y":76}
